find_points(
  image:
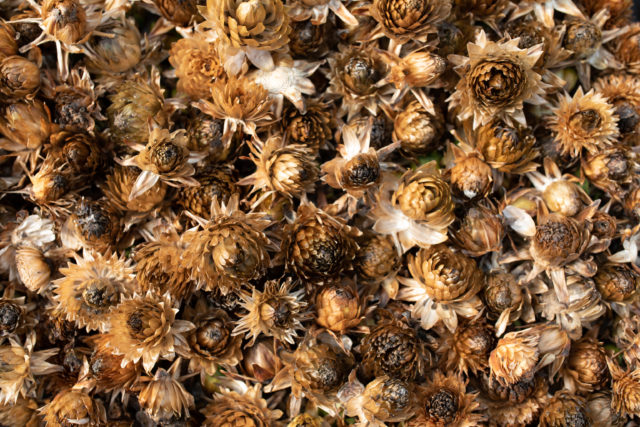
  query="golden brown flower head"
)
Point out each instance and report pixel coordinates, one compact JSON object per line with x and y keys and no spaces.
{"x":446,"y":276}
{"x":515,"y":358}
{"x":610,"y":169}
{"x":180,"y":12}
{"x":230,"y":251}
{"x":495,"y":80}
{"x":115,"y":54}
{"x":214,"y":183}
{"x":160,"y":267}
{"x":27,"y":124}
{"x":604,"y":226}
{"x":587,"y":366}
{"x":417,"y":69}
{"x":480,"y":230}
{"x":565,"y":409}
{"x":468,"y":348}
{"x":23,"y":413}
{"x":308,"y":40}
{"x":445,"y":402}
{"x":404,"y":21}
{"x":19,"y":77}
{"x":163,"y":396}
{"x":79,"y":150}
{"x":377,"y":257}
{"x":507,"y":148}
{"x":393,"y":348}
{"x":625,"y":389}
{"x":582,"y":37}
{"x":135,"y":102}
{"x":65,"y":20}
{"x":242,"y":406}
{"x":290,"y":169}
{"x":515,"y":404}
{"x":583,"y":121}
{"x":558,"y":239}
{"x":628,"y":48}
{"x":418,"y":131}
{"x":276,"y":311}
{"x":616,"y":282}
{"x":423,"y":195}
{"x":72,"y":407}
{"x":8,"y":45}
{"x":119,"y":185}
{"x":197,"y":66}
{"x":318,"y":245}
{"x":384,"y":399}
{"x":107,"y":369}
{"x":96,"y":224}
{"x":211,"y":343}
{"x":471,"y":178}
{"x":145,"y":327}
{"x":91,"y":287}
{"x":623,"y":92}
{"x":338,"y":307}
{"x":311,"y":129}
{"x":501,"y":292}
{"x":305,"y":420}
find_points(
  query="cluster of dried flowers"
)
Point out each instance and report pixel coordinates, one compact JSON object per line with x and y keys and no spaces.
{"x":319,"y":212}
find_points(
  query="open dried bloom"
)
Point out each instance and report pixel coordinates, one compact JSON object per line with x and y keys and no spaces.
{"x":317,"y":11}
{"x":419,"y":210}
{"x":107,"y":369}
{"x":135,"y":102}
{"x":417,"y":130}
{"x":611,"y":169}
{"x":311,"y":128}
{"x":18,"y":366}
{"x":583,"y":121}
{"x":318,"y":245}
{"x":581,"y":309}
{"x":160,"y":266}
{"x":115,"y":54}
{"x":443,"y":401}
{"x":383,"y":400}
{"x":197,"y":65}
{"x":519,"y":355}
{"x":211,"y":342}
{"x":480,"y":231}
{"x":623,"y":92}
{"x":230,"y":250}
{"x":467,"y":349}
{"x":145,"y":327}
{"x":444,"y":285}
{"x":338,"y":308}
{"x":19,"y":77}
{"x":507,"y":148}
{"x":120,"y":183}
{"x":513,"y":405}
{"x":240,"y":102}
{"x":276,"y":312}
{"x":240,"y":405}
{"x":586,"y":368}
{"x":72,"y":407}
{"x":565,"y":409}
{"x":287,"y":169}
{"x":163,"y":396}
{"x":248,"y":28}
{"x":91,"y":287}
{"x":316,"y":370}
{"x":393,"y":348}
{"x":353,"y":77}
{"x":26,"y":125}
{"x":496,"y":79}
{"x":165,"y":158}
{"x":561,"y":193}
{"x":625,"y":389}
{"x":403,"y":21}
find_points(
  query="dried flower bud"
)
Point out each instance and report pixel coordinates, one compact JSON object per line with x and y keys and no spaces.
{"x":616,"y":282}
{"x":338,"y":308}
{"x":197,"y":65}
{"x":69,"y":407}
{"x":164,"y":397}
{"x":311,"y":129}
{"x":417,"y":69}
{"x":244,"y":407}
{"x":471,"y":178}
{"x":214,"y":183}
{"x":558,"y":239}
{"x":120,"y":183}
{"x":107,"y":368}
{"x":501,"y":292}
{"x":418,"y":131}
{"x":610,"y":169}
{"x":514,"y":359}
{"x":33,"y":269}
{"x":604,"y":226}
{"x":8,"y":45}
{"x":260,"y":361}
{"x":80,"y":151}
{"x":51,"y":182}
{"x":11,"y":316}
{"x":387,"y":399}
{"x":377,"y":257}
{"x":587,"y":366}
{"x":305,"y":420}
{"x":601,"y":412}
{"x":179,"y":12}
{"x":480,"y":231}
{"x":506,"y":148}
{"x":625,"y":390}
{"x":97,"y":224}
{"x":467,"y":349}
{"x":632,"y":202}
{"x":321,"y":369}
{"x":65,"y":20}
{"x":115,"y":54}
{"x":582,"y":38}
{"x":26,"y":123}
{"x":402,"y":22}
{"x":563,"y":197}
{"x":19,"y":77}
{"x":565,"y":409}
{"x":308,"y":40}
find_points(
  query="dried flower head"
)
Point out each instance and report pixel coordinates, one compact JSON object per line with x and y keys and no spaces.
{"x":466,"y":349}
{"x":564,"y":406}
{"x":507,"y":148}
{"x":404,"y":22}
{"x":163,"y":396}
{"x":197,"y":65}
{"x":417,"y":130}
{"x":240,"y":405}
